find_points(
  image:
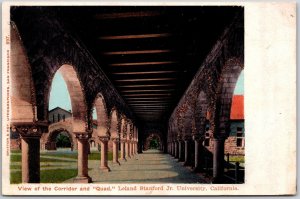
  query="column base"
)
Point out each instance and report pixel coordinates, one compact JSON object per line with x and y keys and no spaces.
{"x":197,"y":170}
{"x":118,"y":163}
{"x":105,"y":169}
{"x":80,"y":179}
{"x":123,"y":160}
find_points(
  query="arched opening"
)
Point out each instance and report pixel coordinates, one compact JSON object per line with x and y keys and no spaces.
{"x":100,"y":119}
{"x":114,"y":135}
{"x":101,"y":130}
{"x":99,"y":115}
{"x":114,"y":129}
{"x":60,"y":140}
{"x":221,"y":123}
{"x":67,"y":113}
{"x":234,"y":148}
{"x":153,"y":141}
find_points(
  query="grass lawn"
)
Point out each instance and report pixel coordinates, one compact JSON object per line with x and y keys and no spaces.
{"x":238,"y":158}
{"x":51,"y":176}
{"x":18,"y":158}
{"x":47,"y":176}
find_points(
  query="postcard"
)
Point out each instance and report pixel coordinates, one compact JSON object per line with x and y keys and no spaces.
{"x":148,"y":98}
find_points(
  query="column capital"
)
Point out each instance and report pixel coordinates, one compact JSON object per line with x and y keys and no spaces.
{"x":187,"y":137}
{"x":197,"y":137}
{"x":115,"y":139}
{"x":103,"y":138}
{"x":122,"y":140}
{"x":179,"y":138}
{"x":30,"y":130}
{"x":82,"y":135}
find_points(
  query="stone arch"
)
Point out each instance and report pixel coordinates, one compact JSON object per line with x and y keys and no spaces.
{"x":22,"y":90}
{"x":150,"y":137}
{"x":123,"y":131}
{"x":114,"y":123}
{"x":230,"y":74}
{"x":102,"y":119}
{"x":53,"y":134}
{"x":152,"y":131}
{"x":58,"y":126}
{"x":77,"y":96}
{"x":129,"y":129}
{"x":202,"y":112}
{"x":187,"y":117}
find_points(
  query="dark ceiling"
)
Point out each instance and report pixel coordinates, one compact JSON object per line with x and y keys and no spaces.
{"x":150,"y":54}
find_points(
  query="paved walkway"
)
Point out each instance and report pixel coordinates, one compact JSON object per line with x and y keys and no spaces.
{"x":148,"y":167}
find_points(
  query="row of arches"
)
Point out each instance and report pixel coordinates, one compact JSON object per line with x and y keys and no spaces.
{"x":206,"y":105}
{"x":112,"y":124}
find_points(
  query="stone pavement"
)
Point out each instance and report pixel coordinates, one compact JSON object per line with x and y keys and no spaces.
{"x":149,"y":167}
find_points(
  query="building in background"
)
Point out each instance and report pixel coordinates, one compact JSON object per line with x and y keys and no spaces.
{"x":235,"y":143}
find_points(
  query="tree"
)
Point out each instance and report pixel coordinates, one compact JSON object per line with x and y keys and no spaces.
{"x":62,"y":141}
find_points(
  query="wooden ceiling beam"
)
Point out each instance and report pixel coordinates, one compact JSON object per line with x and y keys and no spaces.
{"x":147,"y":94}
{"x":119,"y":15}
{"x":136,"y":52}
{"x":137,"y":36}
{"x":146,"y":85}
{"x":143,"y":63}
{"x":147,"y":91}
{"x":145,"y":79}
{"x":144,"y":72}
{"x":157,"y":99}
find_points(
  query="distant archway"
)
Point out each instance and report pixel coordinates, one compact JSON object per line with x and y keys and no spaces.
{"x":60,"y":138}
{"x":153,"y":141}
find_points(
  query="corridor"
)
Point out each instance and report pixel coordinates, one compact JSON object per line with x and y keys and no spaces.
{"x":151,"y":166}
{"x":123,"y":80}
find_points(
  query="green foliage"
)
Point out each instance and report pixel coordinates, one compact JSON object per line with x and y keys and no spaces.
{"x":63,"y":141}
{"x":154,"y":144}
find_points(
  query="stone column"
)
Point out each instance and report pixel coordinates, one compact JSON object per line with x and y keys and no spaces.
{"x":131,"y":149}
{"x":115,"y":151}
{"x":186,"y":152}
{"x":83,"y":145}
{"x":127,"y":149}
{"x":180,"y":151}
{"x":136,"y":147}
{"x":104,"y":153}
{"x":176,"y":149}
{"x":30,"y":159}
{"x":123,"y":150}
{"x":218,"y":159}
{"x":30,"y":134}
{"x":197,"y":163}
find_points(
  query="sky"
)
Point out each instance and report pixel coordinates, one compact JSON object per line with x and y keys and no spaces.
{"x":59,"y":95}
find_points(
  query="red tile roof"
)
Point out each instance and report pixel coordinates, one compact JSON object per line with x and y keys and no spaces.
{"x":237,"y":108}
